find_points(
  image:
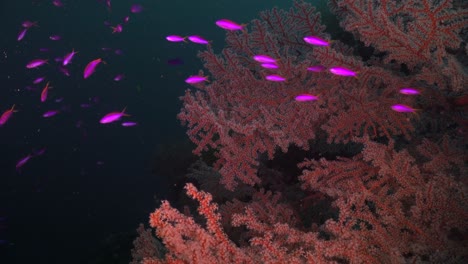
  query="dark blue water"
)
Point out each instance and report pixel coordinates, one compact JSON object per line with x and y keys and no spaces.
{"x":81,"y":200}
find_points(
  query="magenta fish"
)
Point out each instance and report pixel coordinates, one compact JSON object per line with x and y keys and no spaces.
{"x":118,"y":77}
{"x":196,"y":79}
{"x":269,"y":65}
{"x":91,"y":67}
{"x":341,"y":71}
{"x":6,"y":115}
{"x":38,"y":80}
{"x":28,"y":24}
{"x":22,"y":34}
{"x":45,"y":92}
{"x":64,"y":70}
{"x":117,"y":29}
{"x":275,"y":78}
{"x":313,"y":40}
{"x":28,"y":157}
{"x":229,"y":25}
{"x":264,"y":58}
{"x":55,"y":37}
{"x":50,"y":113}
{"x":68,"y":58}
{"x":401,"y":108}
{"x":306,"y":98}
{"x":409,"y":91}
{"x":36,"y":63}
{"x":23,"y":161}
{"x":129,"y":124}
{"x":197,"y":39}
{"x":57,"y":3}
{"x":112,"y":117}
{"x":175,"y":38}
{"x":316,"y":68}
{"x":136,"y":8}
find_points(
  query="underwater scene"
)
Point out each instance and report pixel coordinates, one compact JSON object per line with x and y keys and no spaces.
{"x":220,"y":131}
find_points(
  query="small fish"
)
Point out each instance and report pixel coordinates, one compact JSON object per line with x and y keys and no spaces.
{"x":36,"y":63}
{"x":23,"y":161}
{"x":28,"y":157}
{"x":22,"y":34}
{"x":341,"y":71}
{"x":196,"y":79}
{"x":118,"y":77}
{"x":44,"y":92}
{"x":275,"y":78}
{"x":64,"y":70}
{"x":306,"y":97}
{"x":6,"y":115}
{"x":316,"y":41}
{"x":55,"y":37}
{"x":89,"y":69}
{"x":126,"y":19}
{"x":136,"y":8}
{"x":175,"y":38}
{"x":316,"y":68}
{"x":198,"y":40}
{"x":409,"y":91}
{"x":129,"y":124}
{"x":57,"y":3}
{"x":112,"y":117}
{"x":68,"y":58}
{"x":401,"y":108}
{"x":50,"y":113}
{"x":229,"y":25}
{"x":264,"y":59}
{"x":28,"y":24}
{"x":38,"y":80}
{"x":269,"y":65}
{"x":117,"y":29}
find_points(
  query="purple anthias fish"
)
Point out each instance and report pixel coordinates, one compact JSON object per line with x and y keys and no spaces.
{"x":22,"y":34}
{"x":264,"y":58}
{"x":50,"y":113}
{"x":306,"y":97}
{"x":269,"y":65}
{"x":36,"y":63}
{"x":129,"y":124}
{"x":136,"y":8}
{"x":28,"y":24}
{"x":316,"y":68}
{"x":6,"y":115}
{"x":91,"y":67}
{"x":275,"y":78}
{"x":118,"y":77}
{"x":316,"y":41}
{"x":57,"y":3}
{"x":403,"y":108}
{"x":38,"y":80}
{"x":175,"y":38}
{"x":117,"y":29}
{"x":341,"y":71}
{"x":55,"y":37}
{"x":409,"y":91}
{"x":68,"y":58}
{"x":229,"y":25}
{"x":112,"y":117}
{"x":24,"y":160}
{"x":196,"y":79}
{"x":198,"y":40}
